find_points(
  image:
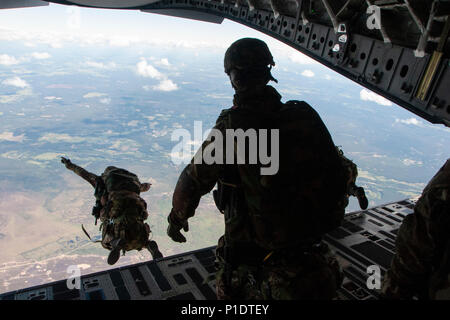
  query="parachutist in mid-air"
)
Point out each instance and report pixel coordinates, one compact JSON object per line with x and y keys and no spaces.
{"x":121,"y":210}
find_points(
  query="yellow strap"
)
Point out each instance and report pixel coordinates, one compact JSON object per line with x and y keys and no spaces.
{"x":268,"y":256}
{"x":228,"y":184}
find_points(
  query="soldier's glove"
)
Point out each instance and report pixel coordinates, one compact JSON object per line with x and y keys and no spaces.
{"x":359,"y":193}
{"x":66,"y":162}
{"x":362,"y":199}
{"x":175,"y":225}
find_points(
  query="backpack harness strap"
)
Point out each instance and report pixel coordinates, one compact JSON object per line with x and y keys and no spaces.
{"x":87,"y":234}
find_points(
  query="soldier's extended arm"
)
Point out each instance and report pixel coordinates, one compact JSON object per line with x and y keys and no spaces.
{"x":86,"y":175}
{"x":360,"y":194}
{"x":195,"y":181}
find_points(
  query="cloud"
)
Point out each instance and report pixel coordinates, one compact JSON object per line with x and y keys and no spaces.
{"x":166,"y":85}
{"x":15,"y":155}
{"x":120,"y":42}
{"x":57,"y":137}
{"x":16,"y":82}
{"x":291,"y":91}
{"x":180,"y":157}
{"x":101,"y":65}
{"x":57,"y":39}
{"x":55,"y":44}
{"x":345,"y":95}
{"x":156,"y":146}
{"x":94,"y":95}
{"x":412,"y":121}
{"x":219,"y":96}
{"x":9,"y":98}
{"x":147,"y":70}
{"x":7,"y":60}
{"x":410,"y":162}
{"x":300,"y":58}
{"x":125,"y":145}
{"x":16,"y":97}
{"x":48,"y":156}
{"x":33,"y":37}
{"x":368,"y":95}
{"x":163,"y":62}
{"x":376,"y":155}
{"x":133,"y":123}
{"x":105,"y":100}
{"x":52,"y":98}
{"x":40,"y":55}
{"x":367,"y":154}
{"x":308,"y":73}
{"x":59,"y":86}
{"x":9,"y":136}
{"x":85,"y":37}
{"x":10,"y":60}
{"x":383,"y":180}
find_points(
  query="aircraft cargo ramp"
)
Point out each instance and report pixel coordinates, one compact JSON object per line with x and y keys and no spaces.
{"x":365,"y":238}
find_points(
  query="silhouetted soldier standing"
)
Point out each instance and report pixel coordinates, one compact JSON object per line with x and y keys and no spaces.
{"x":272,"y":246}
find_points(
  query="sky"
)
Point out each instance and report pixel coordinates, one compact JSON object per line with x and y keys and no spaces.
{"x":56,"y":24}
{"x":109,"y":31}
{"x":59,"y":26}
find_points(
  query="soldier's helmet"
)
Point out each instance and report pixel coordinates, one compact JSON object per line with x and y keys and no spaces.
{"x":248,"y":53}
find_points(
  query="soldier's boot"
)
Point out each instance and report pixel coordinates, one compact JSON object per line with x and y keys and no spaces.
{"x":152,"y":246}
{"x":362,"y":199}
{"x":114,"y":255}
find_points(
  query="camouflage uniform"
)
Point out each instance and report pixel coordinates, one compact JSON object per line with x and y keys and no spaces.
{"x":122,"y":204}
{"x":283,"y":258}
{"x":310,"y":274}
{"x":421,"y":265}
